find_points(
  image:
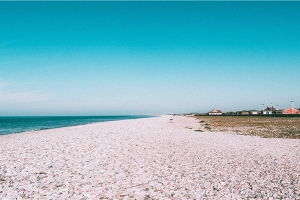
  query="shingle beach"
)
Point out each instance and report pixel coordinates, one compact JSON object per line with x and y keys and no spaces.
{"x":152,"y":158}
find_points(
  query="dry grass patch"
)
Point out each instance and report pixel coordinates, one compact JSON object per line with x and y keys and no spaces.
{"x":199,"y":130}
{"x":268,"y":127}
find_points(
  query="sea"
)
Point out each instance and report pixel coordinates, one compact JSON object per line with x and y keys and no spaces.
{"x":9,"y":125}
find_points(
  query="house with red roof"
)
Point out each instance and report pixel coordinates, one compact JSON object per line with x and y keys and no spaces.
{"x":291,"y":111}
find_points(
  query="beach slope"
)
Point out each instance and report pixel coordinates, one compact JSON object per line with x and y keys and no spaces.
{"x":152,"y":158}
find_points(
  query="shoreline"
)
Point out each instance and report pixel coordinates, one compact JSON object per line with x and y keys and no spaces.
{"x":152,"y":158}
{"x":75,"y":124}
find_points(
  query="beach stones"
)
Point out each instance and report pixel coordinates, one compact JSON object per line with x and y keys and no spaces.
{"x":147,"y":159}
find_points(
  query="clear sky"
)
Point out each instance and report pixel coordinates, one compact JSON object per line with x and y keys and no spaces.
{"x":108,"y":58}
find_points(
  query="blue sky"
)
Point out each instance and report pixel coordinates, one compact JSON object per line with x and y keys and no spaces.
{"x":107,"y":58}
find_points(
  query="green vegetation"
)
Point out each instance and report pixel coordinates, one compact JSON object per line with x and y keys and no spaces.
{"x":268,"y":127}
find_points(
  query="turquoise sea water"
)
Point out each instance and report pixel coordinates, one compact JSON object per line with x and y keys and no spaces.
{"x":10,"y":125}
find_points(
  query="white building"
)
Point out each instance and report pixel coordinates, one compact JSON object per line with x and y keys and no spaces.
{"x":268,"y":111}
{"x":254,"y":112}
{"x":215,"y":112}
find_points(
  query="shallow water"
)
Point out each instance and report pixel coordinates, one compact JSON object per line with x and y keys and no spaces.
{"x":10,"y":125}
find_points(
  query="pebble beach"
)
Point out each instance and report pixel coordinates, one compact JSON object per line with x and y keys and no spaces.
{"x":152,"y":158}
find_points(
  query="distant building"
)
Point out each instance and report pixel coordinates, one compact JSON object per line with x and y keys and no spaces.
{"x":290,"y":111}
{"x":243,"y":112}
{"x":254,"y":112}
{"x":215,"y":112}
{"x":269,"y":111}
{"x":278,"y":111}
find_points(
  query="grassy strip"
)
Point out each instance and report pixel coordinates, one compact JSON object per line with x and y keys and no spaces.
{"x":267,"y":127}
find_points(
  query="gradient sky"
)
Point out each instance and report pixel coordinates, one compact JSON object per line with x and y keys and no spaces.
{"x":108,"y":58}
